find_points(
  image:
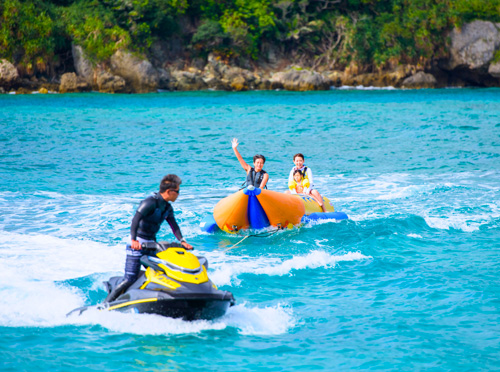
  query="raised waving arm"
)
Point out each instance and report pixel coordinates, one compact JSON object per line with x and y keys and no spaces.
{"x":235,"y":144}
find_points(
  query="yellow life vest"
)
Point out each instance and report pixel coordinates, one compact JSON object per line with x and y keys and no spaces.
{"x":292,"y":185}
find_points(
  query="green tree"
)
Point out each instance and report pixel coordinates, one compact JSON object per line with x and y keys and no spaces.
{"x":245,"y":22}
{"x":93,"y":27}
{"x":28,"y":34}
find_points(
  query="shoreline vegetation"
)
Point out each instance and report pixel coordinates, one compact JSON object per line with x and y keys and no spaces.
{"x":132,"y":46}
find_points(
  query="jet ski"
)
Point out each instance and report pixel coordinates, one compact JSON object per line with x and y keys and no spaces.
{"x":175,"y":284}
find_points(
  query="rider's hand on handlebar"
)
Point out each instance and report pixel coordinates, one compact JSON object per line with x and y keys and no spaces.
{"x":187,"y":245}
{"x":136,"y":246}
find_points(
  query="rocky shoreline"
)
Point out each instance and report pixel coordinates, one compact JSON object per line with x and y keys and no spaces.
{"x":474,"y":60}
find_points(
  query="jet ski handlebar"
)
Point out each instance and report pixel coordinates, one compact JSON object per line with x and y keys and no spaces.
{"x":159,"y":246}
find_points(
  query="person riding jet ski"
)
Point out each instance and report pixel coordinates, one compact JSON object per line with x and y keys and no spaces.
{"x":145,"y":225}
{"x":175,"y":282}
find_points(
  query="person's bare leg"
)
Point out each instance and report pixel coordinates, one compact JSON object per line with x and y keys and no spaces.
{"x":319,"y":199}
{"x":287,"y":192}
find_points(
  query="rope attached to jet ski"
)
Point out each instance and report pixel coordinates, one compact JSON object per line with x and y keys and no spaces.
{"x":264,"y":234}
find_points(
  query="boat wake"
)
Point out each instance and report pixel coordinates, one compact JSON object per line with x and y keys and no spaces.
{"x":228,"y":273}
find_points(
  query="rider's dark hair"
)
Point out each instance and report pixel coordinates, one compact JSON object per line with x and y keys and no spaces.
{"x":170,"y":182}
{"x":259,"y":157}
{"x":299,"y":155}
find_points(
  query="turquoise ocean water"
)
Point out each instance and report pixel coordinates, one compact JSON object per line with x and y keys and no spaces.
{"x":410,"y":282}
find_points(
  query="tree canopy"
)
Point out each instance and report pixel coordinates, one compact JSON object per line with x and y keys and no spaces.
{"x":37,"y":34}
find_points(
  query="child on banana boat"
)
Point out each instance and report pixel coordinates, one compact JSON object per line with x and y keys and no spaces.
{"x":298,"y":160}
{"x":300,"y":185}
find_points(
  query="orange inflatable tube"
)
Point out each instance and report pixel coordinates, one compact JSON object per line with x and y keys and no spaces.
{"x":230,"y":213}
{"x":282,"y":210}
{"x":257,"y":209}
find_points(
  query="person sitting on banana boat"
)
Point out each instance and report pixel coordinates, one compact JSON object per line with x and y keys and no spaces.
{"x":300,"y":185}
{"x":298,"y":160}
{"x":256,"y":176}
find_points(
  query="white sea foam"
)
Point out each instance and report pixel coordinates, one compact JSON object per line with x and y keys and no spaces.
{"x":143,"y":324}
{"x":44,"y":257}
{"x":270,"y":320}
{"x":453,"y":222}
{"x":442,"y":200}
{"x":322,"y":222}
{"x":248,"y":319}
{"x":229,"y":272}
{"x":62,"y":215}
{"x":398,"y":192}
{"x":38,"y":260}
{"x":45,"y":305}
{"x":416,"y":236}
{"x":368,"y":215}
{"x":36,"y":303}
{"x":32,"y":264}
{"x":383,"y":187}
{"x":362,"y":87}
{"x":312,"y":260}
{"x":319,"y":242}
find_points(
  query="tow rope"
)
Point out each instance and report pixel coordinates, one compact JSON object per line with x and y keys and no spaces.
{"x":264,"y":234}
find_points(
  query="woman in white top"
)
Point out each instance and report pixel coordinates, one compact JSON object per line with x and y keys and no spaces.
{"x":298,"y":160}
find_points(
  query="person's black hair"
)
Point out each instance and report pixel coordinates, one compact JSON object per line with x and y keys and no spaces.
{"x":170,"y":182}
{"x":259,"y":157}
{"x":298,"y":154}
{"x":298,"y":171}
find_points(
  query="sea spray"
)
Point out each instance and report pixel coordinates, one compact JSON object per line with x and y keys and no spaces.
{"x":232,"y":270}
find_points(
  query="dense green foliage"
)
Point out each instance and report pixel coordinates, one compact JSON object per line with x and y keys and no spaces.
{"x":35,"y":33}
{"x":29,"y":33}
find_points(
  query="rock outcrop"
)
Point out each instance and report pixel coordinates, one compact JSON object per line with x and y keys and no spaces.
{"x":420,"y":80}
{"x":473,"y":60}
{"x":494,"y":70}
{"x":138,"y":73}
{"x":109,"y":83}
{"x":352,"y":77}
{"x":8,"y":74}
{"x":474,"y":45}
{"x":220,"y":76}
{"x":301,"y":80}
{"x":187,"y":80}
{"x":472,"y":52}
{"x":83,"y":66}
{"x":164,"y":79}
{"x":71,"y":83}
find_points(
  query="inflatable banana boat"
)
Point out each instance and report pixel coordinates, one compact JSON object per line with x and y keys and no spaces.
{"x":253,"y":208}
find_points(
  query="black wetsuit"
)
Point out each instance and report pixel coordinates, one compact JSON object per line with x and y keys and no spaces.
{"x":255,"y":178}
{"x":145,"y":225}
{"x":150,"y":215}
